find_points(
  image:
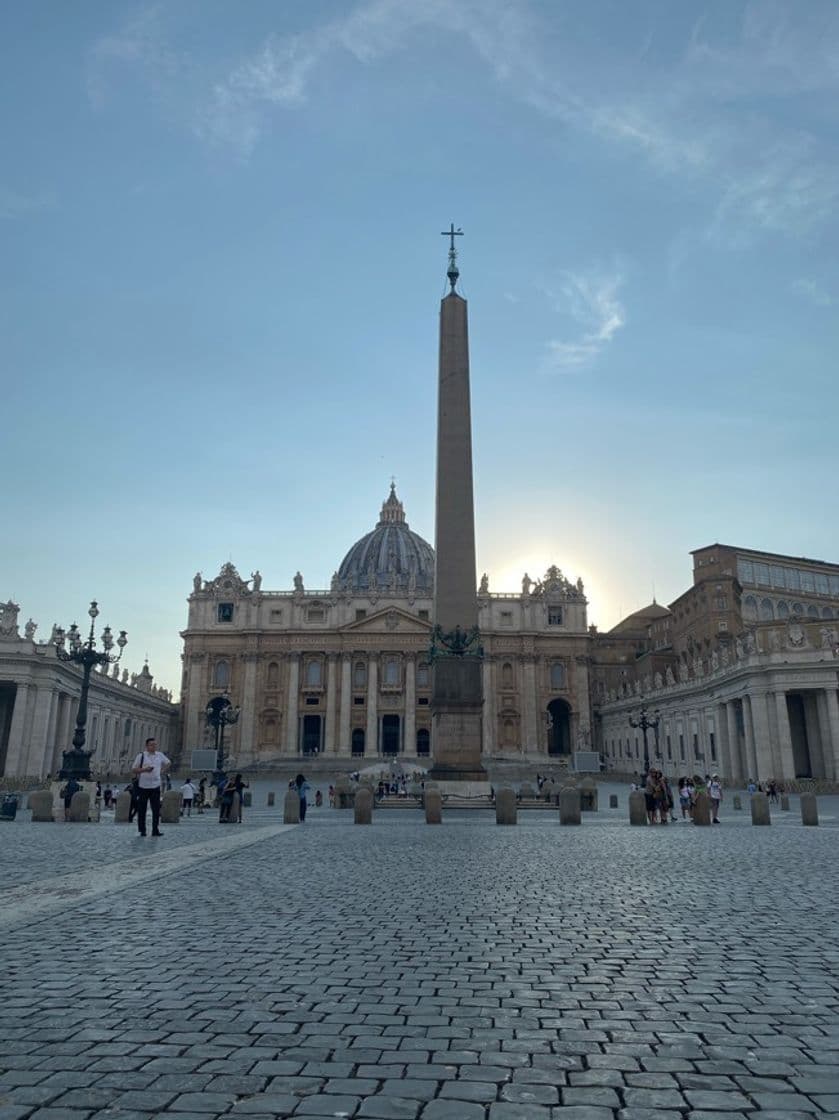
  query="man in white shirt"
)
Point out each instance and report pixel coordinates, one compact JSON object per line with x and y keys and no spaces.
{"x":715,"y":796}
{"x":149,"y":766}
{"x":187,"y":797}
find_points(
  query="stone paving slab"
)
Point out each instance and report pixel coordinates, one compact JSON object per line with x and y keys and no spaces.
{"x":534,"y":973}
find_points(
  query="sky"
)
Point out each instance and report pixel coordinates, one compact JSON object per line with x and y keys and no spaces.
{"x":220,"y":273}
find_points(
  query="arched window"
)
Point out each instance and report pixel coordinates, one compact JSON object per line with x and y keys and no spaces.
{"x":557,"y":675}
{"x":750,"y":607}
{"x":359,"y":674}
{"x":423,"y":741}
{"x":812,"y":612}
{"x":273,"y":674}
{"x":422,"y":675}
{"x":783,"y":608}
{"x":797,"y":608}
{"x":391,"y":674}
{"x":221,"y":674}
{"x":358,"y":741}
{"x":509,"y":733}
{"x":767,"y":610}
{"x":507,"y":675}
{"x":827,"y":612}
{"x":313,"y":674}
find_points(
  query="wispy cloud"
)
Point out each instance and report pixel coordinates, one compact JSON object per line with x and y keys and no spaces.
{"x":814,"y":292}
{"x":141,"y":44}
{"x":591,"y":301}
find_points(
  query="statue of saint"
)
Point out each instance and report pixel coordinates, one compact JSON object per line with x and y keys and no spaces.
{"x":526,"y":584}
{"x":257,"y":580}
{"x":668,"y":676}
{"x":29,"y":630}
{"x":196,"y":582}
{"x":298,"y":582}
{"x":335,"y":583}
{"x":484,"y":588}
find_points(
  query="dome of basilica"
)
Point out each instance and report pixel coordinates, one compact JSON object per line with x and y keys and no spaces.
{"x":390,"y":558}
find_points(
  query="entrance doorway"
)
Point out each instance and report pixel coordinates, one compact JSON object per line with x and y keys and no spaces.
{"x":559,"y":729}
{"x":358,"y":741}
{"x":423,"y":742}
{"x":311,"y":734}
{"x":390,"y":735}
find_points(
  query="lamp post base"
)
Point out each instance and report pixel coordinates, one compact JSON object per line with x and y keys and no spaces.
{"x":75,"y":764}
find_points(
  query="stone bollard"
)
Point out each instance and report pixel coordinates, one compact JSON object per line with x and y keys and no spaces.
{"x":291,"y":807}
{"x":809,"y":809}
{"x":637,"y":808}
{"x":613,"y":801}
{"x":170,"y":807}
{"x":702,"y":809}
{"x":364,"y":806}
{"x":506,"y":811}
{"x":122,"y":809}
{"x":271,"y":798}
{"x":569,"y":806}
{"x":588,"y":795}
{"x":736,"y":802}
{"x":784,"y":803}
{"x":433,"y":806}
{"x":80,"y":808}
{"x":247,"y":799}
{"x":760,"y":809}
{"x":40,"y":802}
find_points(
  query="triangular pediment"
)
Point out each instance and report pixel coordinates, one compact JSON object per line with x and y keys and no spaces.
{"x":388,"y":620}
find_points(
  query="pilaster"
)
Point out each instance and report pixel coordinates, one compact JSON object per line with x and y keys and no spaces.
{"x":292,"y":704}
{"x":409,"y":742}
{"x":344,"y":735}
{"x":371,"y":737}
{"x":15,"y":750}
{"x":330,"y":744}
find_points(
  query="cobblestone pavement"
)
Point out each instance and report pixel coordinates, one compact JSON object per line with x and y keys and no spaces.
{"x":459,"y":972}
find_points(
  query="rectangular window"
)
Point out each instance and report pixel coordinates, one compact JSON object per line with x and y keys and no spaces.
{"x":778,"y":577}
{"x":793,"y":579}
{"x":713,"y":746}
{"x":315,"y":614}
{"x":821,"y":583}
{"x":312,"y":700}
{"x":423,"y":700}
{"x":276,"y":615}
{"x":721,"y":602}
{"x":682,"y":747}
{"x":506,"y":618}
{"x":358,"y":701}
{"x":554,"y":616}
{"x":808,"y":582}
{"x":834,"y":585}
{"x":722,"y":626}
{"x":225,"y":612}
{"x":423,"y":615}
{"x":762,"y":574}
{"x":359,"y":614}
{"x":745,"y":571}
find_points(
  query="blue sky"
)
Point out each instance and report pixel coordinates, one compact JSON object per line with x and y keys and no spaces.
{"x":221,"y":269}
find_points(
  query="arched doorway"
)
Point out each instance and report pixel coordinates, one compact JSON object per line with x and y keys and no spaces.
{"x":358,"y":741}
{"x":311,"y":734}
{"x":390,"y":734}
{"x":559,"y":728}
{"x":423,"y":742}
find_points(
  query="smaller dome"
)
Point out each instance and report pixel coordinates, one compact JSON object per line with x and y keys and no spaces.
{"x":390,"y":558}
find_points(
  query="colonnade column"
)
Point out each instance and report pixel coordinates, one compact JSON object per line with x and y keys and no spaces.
{"x":761,"y":737}
{"x":786,"y":762}
{"x":409,"y":742}
{"x":343,"y":744}
{"x":531,"y":733}
{"x":292,"y":704}
{"x":329,"y":744}
{"x":17,"y":731}
{"x":247,"y":723}
{"x":40,"y":728}
{"x":371,"y":738}
{"x":737,"y":770}
{"x":830,"y":733}
{"x":726,"y":762}
{"x":488,"y":713}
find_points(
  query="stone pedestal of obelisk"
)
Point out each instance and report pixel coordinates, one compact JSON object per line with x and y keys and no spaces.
{"x":457,"y":688}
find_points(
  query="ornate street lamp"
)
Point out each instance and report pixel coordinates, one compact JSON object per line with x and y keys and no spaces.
{"x":220,"y":713}
{"x":76,"y":761}
{"x":646,"y":723}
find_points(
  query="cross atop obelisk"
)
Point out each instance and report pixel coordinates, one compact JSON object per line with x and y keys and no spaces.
{"x":457,"y":679}
{"x":453,"y":272}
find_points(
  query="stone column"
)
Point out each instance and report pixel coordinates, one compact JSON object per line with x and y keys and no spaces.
{"x":761,"y":736}
{"x":831,"y":731}
{"x":15,"y":753}
{"x":371,"y":737}
{"x":52,"y":731}
{"x":247,"y":720}
{"x":488,"y":715}
{"x":292,"y":704}
{"x":330,"y":746}
{"x":409,"y":742}
{"x":748,"y":733}
{"x":786,"y":766}
{"x":531,"y":729}
{"x":736,"y":774}
{"x":196,"y":701}
{"x":343,"y":744}
{"x":726,"y":766}
{"x":38,"y":743}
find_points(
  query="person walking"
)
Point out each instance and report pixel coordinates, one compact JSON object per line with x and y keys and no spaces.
{"x":240,"y":785}
{"x":66,"y":793}
{"x":149,"y":767}
{"x":188,"y":792}
{"x":303,"y":788}
{"x":226,"y":791}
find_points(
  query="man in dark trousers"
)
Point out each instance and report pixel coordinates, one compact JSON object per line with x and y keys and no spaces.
{"x":149,"y":767}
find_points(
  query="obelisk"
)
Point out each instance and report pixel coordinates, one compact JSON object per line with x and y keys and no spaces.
{"x":457,"y":686}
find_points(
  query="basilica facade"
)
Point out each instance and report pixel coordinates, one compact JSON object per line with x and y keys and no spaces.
{"x":345,"y":671}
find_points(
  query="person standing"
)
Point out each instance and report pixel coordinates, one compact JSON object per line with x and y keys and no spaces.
{"x":303,"y":788}
{"x":66,"y":794}
{"x":240,"y":785}
{"x":187,"y":797}
{"x":149,"y":767}
{"x":715,"y":796}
